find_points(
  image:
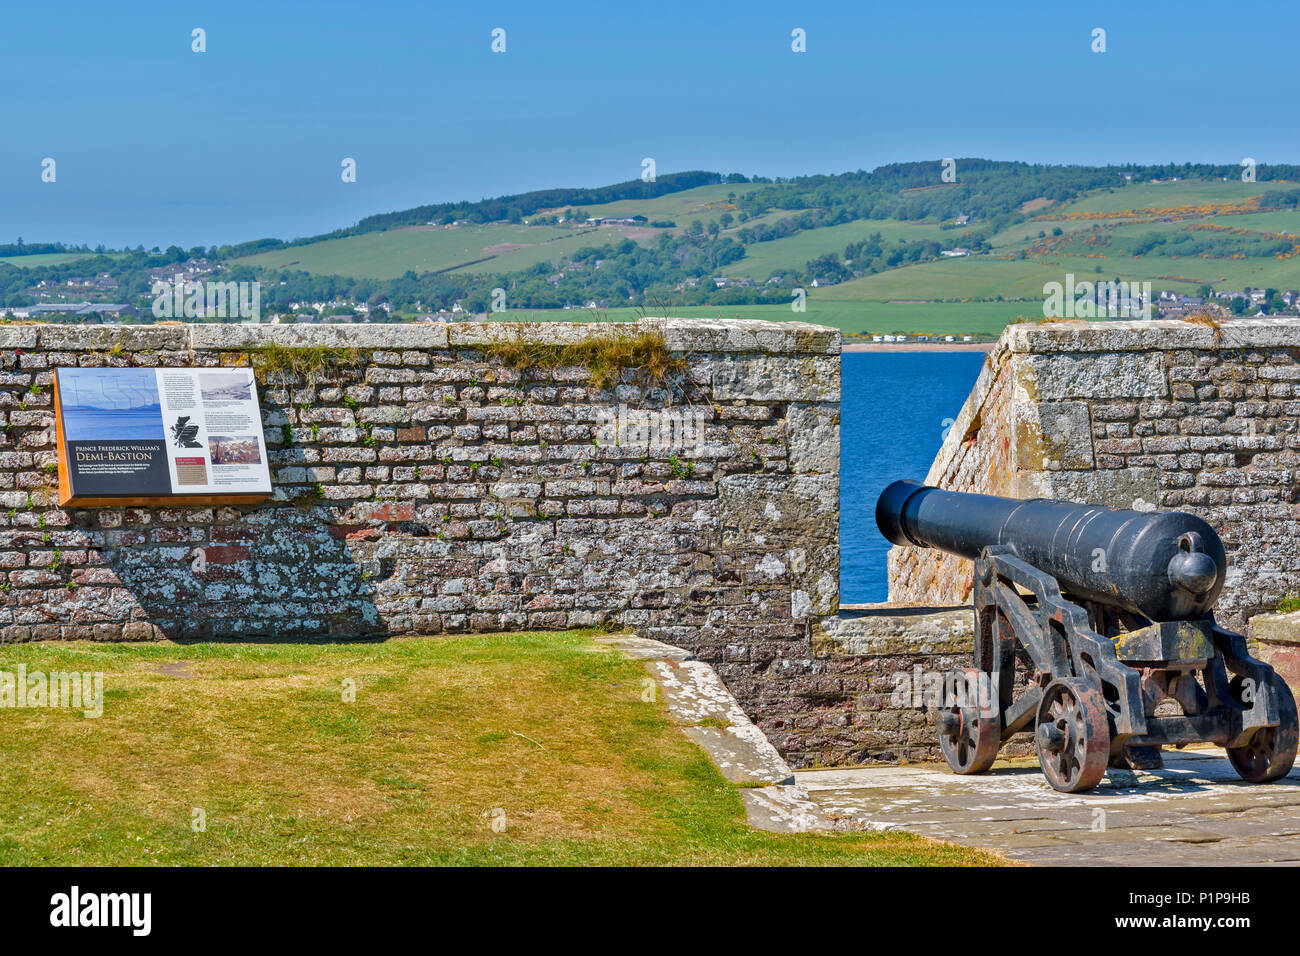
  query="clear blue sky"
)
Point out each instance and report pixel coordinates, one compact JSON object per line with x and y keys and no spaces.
{"x":155,"y":144}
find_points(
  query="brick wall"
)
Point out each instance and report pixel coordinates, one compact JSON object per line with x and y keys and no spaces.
{"x":1146,"y":415}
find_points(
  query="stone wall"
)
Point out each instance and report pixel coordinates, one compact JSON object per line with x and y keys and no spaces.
{"x":426,"y":486}
{"x":1146,"y":415}
{"x":421,"y":486}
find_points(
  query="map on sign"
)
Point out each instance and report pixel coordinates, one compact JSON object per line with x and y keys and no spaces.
{"x":155,"y":433}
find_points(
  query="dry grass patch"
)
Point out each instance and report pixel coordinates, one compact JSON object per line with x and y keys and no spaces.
{"x":604,"y":355}
{"x":444,"y":737}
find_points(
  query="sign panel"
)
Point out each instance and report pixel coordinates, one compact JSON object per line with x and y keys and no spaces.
{"x":152,"y":435}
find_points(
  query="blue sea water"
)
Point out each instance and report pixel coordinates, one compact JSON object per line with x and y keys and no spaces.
{"x":894,"y":410}
{"x":117,"y":424}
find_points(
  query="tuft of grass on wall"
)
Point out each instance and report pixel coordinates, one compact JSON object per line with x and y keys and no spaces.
{"x":605,"y":356}
{"x":1203,"y":318}
{"x":307,"y":362}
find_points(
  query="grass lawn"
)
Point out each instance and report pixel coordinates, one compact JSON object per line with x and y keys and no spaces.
{"x":544,"y":732}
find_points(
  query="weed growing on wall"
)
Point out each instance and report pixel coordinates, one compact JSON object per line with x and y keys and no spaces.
{"x":605,"y":356}
{"x":307,"y":362}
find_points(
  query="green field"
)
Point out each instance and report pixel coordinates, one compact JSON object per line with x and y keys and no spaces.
{"x":985,"y":278}
{"x":1282,"y":222}
{"x":1165,"y":196}
{"x":1022,"y":234}
{"x":762,"y":259}
{"x":681,"y":207}
{"x":487,"y":248}
{"x":498,"y":247}
{"x":46,"y":259}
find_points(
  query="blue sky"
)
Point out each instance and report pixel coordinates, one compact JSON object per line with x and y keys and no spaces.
{"x":155,"y":144}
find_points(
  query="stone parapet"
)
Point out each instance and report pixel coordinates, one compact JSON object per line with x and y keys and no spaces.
{"x":1146,"y":415}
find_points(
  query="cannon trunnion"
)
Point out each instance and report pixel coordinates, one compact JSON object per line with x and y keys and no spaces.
{"x":1114,"y":610}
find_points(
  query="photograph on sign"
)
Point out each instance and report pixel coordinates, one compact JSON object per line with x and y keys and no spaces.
{"x":150,"y":433}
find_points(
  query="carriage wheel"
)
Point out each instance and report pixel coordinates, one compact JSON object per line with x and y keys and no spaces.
{"x":1271,"y":751}
{"x":969,"y":734}
{"x":1073,"y":736}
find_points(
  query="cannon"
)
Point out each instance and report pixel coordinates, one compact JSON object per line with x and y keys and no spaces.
{"x":1113,"y":610}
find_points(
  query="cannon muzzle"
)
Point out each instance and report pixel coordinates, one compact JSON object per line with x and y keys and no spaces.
{"x":1166,"y":566}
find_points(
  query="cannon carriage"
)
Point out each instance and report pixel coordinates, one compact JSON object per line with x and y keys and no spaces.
{"x":1113,"y":610}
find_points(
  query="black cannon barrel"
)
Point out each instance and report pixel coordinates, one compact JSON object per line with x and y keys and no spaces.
{"x":1166,"y":565}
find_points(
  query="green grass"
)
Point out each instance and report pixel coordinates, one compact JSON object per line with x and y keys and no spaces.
{"x":987,"y":278}
{"x":681,"y":207}
{"x":545,"y":733}
{"x":972,"y":277}
{"x":387,"y":255}
{"x":1165,"y":195}
{"x":46,"y":259}
{"x":493,"y":247}
{"x":793,"y":252}
{"x":1287,"y":222}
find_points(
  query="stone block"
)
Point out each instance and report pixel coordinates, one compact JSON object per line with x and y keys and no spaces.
{"x":130,"y":338}
{"x":1106,"y":375}
{"x":762,"y":378}
{"x":1053,"y":435}
{"x":813,"y":437}
{"x":890,"y":630}
{"x":424,"y":335}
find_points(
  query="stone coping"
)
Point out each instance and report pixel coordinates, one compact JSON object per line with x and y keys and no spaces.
{"x":1156,"y":334}
{"x":884,"y":630}
{"x":681,"y":335}
{"x":1276,"y":627}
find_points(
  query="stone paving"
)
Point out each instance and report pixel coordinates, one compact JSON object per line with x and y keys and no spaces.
{"x":697,"y":699}
{"x":1194,"y":812}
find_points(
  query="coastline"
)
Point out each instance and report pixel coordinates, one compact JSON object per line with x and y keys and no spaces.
{"x":917,"y":347}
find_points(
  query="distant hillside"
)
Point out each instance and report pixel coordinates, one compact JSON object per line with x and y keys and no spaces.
{"x":508,"y":209}
{"x":898,"y":233}
{"x":901,"y":248}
